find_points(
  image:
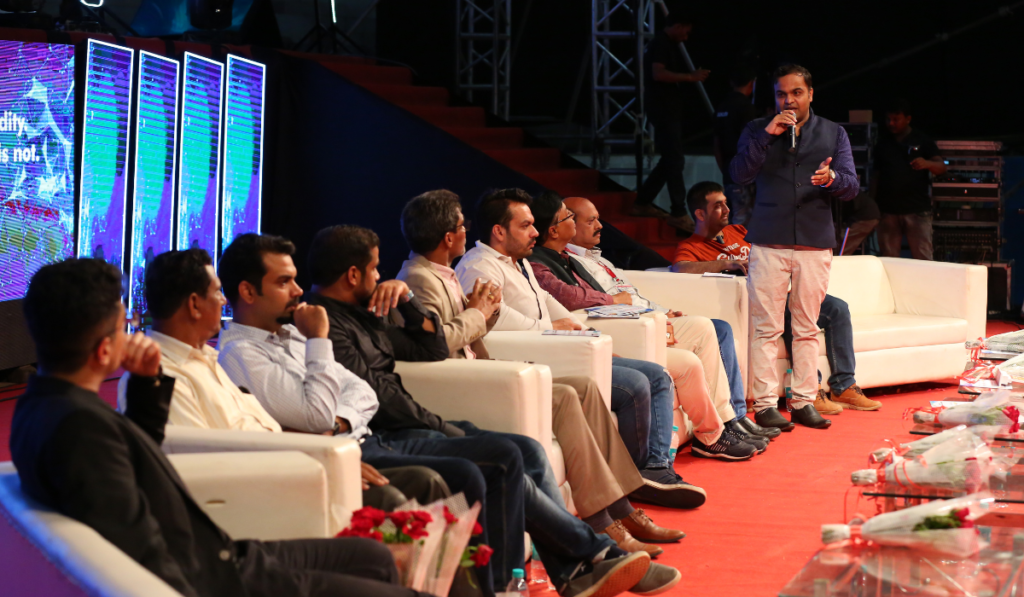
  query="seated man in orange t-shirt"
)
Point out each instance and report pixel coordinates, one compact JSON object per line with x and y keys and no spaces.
{"x":717,"y":246}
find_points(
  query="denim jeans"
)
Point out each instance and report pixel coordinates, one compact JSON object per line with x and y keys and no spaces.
{"x":834,"y":318}
{"x":727,"y":346}
{"x":563,"y":541}
{"x":631,"y":403}
{"x":659,"y":385}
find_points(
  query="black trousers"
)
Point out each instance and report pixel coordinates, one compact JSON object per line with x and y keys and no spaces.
{"x":668,"y":140}
{"x":346,"y":566}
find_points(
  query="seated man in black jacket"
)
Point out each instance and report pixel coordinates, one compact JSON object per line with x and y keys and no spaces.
{"x":78,"y":456}
{"x":343,"y":268}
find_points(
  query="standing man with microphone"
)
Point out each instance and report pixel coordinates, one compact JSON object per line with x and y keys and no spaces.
{"x":799,"y":161}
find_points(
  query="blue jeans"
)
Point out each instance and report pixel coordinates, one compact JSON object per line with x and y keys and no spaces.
{"x":662,"y":400}
{"x":563,"y":541}
{"x":727,"y":347}
{"x":834,"y":319}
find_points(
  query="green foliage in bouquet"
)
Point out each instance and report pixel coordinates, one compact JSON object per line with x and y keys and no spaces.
{"x":955,"y":519}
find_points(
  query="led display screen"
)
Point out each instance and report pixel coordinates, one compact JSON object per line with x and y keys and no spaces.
{"x":199,"y":154}
{"x":37,"y":160}
{"x":155,"y":154}
{"x":243,"y":148}
{"x":106,"y":117}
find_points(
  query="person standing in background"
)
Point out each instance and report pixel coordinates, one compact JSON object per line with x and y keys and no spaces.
{"x":731,"y":116}
{"x":903,"y":186}
{"x":664,"y":69}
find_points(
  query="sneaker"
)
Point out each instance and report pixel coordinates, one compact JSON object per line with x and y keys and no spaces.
{"x":659,"y":578}
{"x":610,"y":577}
{"x":728,"y":447}
{"x":663,"y":487}
{"x":853,"y":398}
{"x":824,"y":405}
{"x":760,"y":443}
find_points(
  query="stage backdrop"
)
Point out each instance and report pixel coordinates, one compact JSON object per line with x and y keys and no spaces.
{"x":337,"y":154}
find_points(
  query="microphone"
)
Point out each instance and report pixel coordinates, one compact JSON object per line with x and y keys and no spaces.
{"x":792,"y":138}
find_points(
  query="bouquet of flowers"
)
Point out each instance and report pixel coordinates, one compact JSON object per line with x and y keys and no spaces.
{"x":454,"y":553}
{"x":991,"y":409}
{"x":962,"y":462}
{"x":944,"y":526}
{"x":427,"y":542}
{"x":918,"y":447}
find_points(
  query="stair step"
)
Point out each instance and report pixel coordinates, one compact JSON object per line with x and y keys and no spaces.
{"x":450,"y":117}
{"x":486,"y":139}
{"x":370,"y":74}
{"x":612,"y":203}
{"x":409,"y":95}
{"x":568,"y":183}
{"x":531,"y":159}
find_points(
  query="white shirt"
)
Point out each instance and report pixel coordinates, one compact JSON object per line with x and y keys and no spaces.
{"x":204,"y":396}
{"x":524,"y":304}
{"x":608,"y":276}
{"x":297,"y":380}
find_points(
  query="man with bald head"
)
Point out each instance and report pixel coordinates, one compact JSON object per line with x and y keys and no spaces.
{"x":583,"y":249}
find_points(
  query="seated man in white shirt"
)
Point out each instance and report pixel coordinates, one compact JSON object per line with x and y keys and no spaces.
{"x":184,"y":298}
{"x":507,"y":238}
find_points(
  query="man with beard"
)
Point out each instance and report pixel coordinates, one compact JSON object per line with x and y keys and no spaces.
{"x":800,"y":162}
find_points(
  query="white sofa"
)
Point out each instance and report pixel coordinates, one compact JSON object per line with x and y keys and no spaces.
{"x":267,"y":496}
{"x":910,"y":318}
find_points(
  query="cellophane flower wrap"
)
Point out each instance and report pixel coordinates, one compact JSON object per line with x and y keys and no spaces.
{"x":962,"y":462}
{"x":993,"y":410}
{"x":461,"y":523}
{"x":943,"y":526}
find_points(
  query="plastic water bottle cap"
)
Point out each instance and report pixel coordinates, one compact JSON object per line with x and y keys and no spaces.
{"x":675,"y":428}
{"x":789,"y":370}
{"x":518,"y":573}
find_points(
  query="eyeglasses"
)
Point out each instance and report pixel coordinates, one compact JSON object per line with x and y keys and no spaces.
{"x":571,"y":216}
{"x":464,"y":226}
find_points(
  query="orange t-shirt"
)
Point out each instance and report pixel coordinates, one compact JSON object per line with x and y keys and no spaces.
{"x":698,"y":248}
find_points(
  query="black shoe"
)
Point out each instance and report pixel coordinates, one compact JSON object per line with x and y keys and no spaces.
{"x":771,"y":417}
{"x":663,"y":487}
{"x":752,"y":428}
{"x":808,"y":416}
{"x":728,"y":447}
{"x":761,"y":443}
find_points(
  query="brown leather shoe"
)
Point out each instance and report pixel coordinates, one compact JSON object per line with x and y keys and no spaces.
{"x":626,"y":541}
{"x":644,"y":529}
{"x":824,"y":405}
{"x":853,"y":398}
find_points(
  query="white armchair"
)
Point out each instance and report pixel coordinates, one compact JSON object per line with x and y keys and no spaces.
{"x":643,"y":339}
{"x":247,"y":492}
{"x":339,"y":457}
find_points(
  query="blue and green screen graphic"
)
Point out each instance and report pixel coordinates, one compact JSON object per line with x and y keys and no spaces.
{"x":105,"y":133}
{"x":199,"y":154}
{"x":243,"y":150}
{"x":37,"y":160}
{"x":155,"y":155}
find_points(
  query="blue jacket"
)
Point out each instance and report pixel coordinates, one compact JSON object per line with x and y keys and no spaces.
{"x":789,"y":209}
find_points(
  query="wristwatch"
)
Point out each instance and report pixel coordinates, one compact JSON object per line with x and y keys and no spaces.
{"x":831,"y":177}
{"x":409,"y":295}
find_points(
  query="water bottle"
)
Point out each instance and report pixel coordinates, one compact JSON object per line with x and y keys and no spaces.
{"x":518,"y":586}
{"x":672,"y":455}
{"x":789,"y":389}
{"x":675,"y":436}
{"x":538,"y":575}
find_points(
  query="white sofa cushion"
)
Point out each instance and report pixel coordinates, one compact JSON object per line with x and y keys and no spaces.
{"x":879,"y":332}
{"x":862,"y":282}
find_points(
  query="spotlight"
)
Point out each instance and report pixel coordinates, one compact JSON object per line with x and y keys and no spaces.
{"x":210,"y":14}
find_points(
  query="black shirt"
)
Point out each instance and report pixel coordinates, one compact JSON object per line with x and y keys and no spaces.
{"x":901,"y":189}
{"x":731,"y":117}
{"x":665,"y":99}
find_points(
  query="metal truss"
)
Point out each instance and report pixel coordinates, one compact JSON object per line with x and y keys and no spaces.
{"x":483,"y":58}
{"x":620,"y":32}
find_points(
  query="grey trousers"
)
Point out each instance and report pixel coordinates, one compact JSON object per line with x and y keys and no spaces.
{"x":406,"y":482}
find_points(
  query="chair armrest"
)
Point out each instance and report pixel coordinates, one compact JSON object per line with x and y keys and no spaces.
{"x":339,"y":456}
{"x":940,"y":289}
{"x":633,"y":338}
{"x":79,"y":552}
{"x":506,"y":396}
{"x":268,"y":496}
{"x":693,"y":294}
{"x":565,"y":355}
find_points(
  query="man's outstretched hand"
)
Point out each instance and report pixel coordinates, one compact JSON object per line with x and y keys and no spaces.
{"x":823,"y":175}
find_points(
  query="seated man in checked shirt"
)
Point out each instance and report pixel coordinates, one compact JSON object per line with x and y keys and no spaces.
{"x":184,"y":297}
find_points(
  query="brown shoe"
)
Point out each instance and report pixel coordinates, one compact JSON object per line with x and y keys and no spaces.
{"x":824,"y":405}
{"x":648,"y":210}
{"x":626,"y":541}
{"x":644,"y":529}
{"x":853,"y":398}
